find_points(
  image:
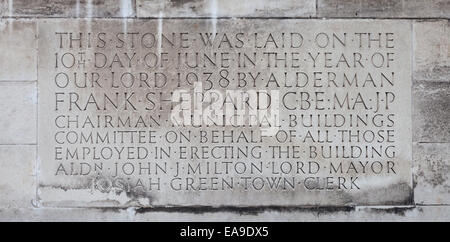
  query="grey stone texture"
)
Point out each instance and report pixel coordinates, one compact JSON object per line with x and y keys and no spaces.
{"x":384,"y":8}
{"x":18,"y":105}
{"x":225,"y":8}
{"x":18,"y":55}
{"x":68,"y":8}
{"x":431,"y":111}
{"x":432,"y":173}
{"x":17,"y":176}
{"x":432,"y":50}
{"x":366,"y":214}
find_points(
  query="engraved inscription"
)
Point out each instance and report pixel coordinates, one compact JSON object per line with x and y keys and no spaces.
{"x":227,"y":112}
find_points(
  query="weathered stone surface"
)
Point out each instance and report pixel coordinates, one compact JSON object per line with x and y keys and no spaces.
{"x":68,"y":8}
{"x":70,"y":178}
{"x":432,"y":50}
{"x":18,"y":53}
{"x":3,"y":7}
{"x":69,"y":215}
{"x":405,"y":214}
{"x":383,"y":8}
{"x":432,"y":173}
{"x":425,"y":213}
{"x":226,"y":8}
{"x":17,"y":176}
{"x":18,"y":105}
{"x":431,"y":116}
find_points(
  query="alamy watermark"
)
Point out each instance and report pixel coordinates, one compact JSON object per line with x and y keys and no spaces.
{"x":235,"y":108}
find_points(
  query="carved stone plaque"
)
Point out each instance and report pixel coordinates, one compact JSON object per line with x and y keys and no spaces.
{"x":238,"y":112}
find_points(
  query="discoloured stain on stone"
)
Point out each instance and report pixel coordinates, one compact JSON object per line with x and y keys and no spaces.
{"x":383,"y":8}
{"x":104,"y":185}
{"x":401,"y":211}
{"x":226,"y":8}
{"x":68,"y":8}
{"x":357,"y":8}
{"x":179,"y":3}
{"x":426,"y":213}
{"x":399,"y":194}
{"x":431,"y":173}
{"x":250,"y":210}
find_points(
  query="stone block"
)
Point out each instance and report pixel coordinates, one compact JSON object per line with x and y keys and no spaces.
{"x":225,"y":8}
{"x":431,"y":116}
{"x":431,"y":173}
{"x":18,"y":50}
{"x":17,"y":176}
{"x":432,"y":51}
{"x":18,"y":107}
{"x":69,"y":8}
{"x":383,"y":8}
{"x":96,"y":179}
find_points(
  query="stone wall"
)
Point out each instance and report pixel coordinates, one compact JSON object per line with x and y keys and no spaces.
{"x":19,"y":77}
